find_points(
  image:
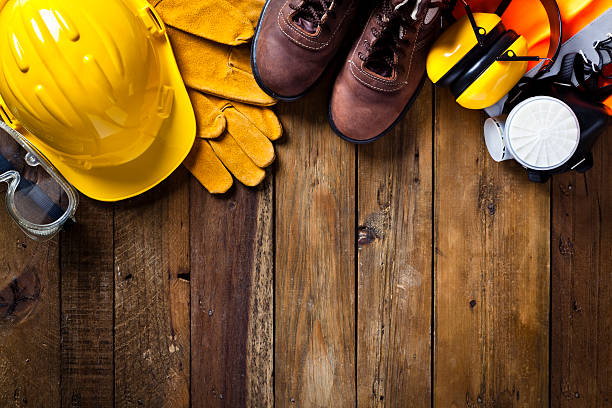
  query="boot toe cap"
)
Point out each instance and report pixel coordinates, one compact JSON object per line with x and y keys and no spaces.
{"x":284,"y":70}
{"x":355,"y":118}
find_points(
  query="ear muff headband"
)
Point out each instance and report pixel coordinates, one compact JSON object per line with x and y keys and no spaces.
{"x":480,"y":66}
{"x":472,"y":56}
{"x":556,"y":34}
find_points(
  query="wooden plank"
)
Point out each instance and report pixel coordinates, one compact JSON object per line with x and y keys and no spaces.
{"x":232,"y":300}
{"x":29,"y":319}
{"x":395,"y":264}
{"x":315,"y":261}
{"x":581,"y":359}
{"x":87,"y":294}
{"x":152,"y":343}
{"x":492,"y":257}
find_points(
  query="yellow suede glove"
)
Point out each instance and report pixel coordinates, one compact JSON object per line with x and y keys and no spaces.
{"x":231,"y":137}
{"x":221,"y":21}
{"x":217,"y":69}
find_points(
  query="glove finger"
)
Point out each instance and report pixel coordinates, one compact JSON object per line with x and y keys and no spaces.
{"x":236,"y":161}
{"x":217,"y":69}
{"x":244,"y":130}
{"x":204,"y":164}
{"x":254,"y":143}
{"x":263,"y":119}
{"x":215,"y":20}
{"x":211,"y":121}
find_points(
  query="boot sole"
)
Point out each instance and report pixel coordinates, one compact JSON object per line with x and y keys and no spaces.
{"x":387,"y":130}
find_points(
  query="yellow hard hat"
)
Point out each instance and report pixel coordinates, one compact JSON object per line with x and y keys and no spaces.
{"x":95,"y":87}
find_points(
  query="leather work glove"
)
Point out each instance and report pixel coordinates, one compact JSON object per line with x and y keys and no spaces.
{"x":217,"y":69}
{"x":231,"y":136}
{"x":222,"y":21}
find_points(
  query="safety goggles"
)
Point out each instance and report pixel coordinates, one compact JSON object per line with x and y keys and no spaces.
{"x":37,"y":196}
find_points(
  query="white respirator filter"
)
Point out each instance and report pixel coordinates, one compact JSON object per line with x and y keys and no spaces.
{"x":541,"y":133}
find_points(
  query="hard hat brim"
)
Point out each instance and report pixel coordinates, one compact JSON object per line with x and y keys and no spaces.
{"x":162,"y":158}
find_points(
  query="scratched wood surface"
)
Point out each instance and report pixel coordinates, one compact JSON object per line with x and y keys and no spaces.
{"x":231,"y":297}
{"x":315,"y":261}
{"x":581,"y":357}
{"x":30,"y":353}
{"x":412,"y":272}
{"x":491,"y":295}
{"x":152,"y":344}
{"x":395,"y":264}
{"x":86,"y":313}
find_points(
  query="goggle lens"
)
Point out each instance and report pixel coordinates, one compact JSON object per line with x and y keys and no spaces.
{"x":38,"y":198}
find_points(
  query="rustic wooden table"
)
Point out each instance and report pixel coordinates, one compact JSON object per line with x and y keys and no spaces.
{"x":411,"y":272}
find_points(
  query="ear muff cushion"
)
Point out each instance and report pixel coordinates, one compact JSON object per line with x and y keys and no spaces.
{"x":483,"y":63}
{"x":474,"y":55}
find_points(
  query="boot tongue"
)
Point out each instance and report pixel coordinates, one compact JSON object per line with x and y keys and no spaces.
{"x":309,"y":14}
{"x":306,"y":25}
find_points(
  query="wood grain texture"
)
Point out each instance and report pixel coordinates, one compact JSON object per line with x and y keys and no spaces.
{"x":395,"y":264}
{"x":315,"y":261}
{"x":231,"y":291}
{"x":87,"y":314}
{"x":29,"y":319}
{"x":152,"y":341}
{"x":315,"y":289}
{"x":492,"y":230}
{"x":581,"y":358}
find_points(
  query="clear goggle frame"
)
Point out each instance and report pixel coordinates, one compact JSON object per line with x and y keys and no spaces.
{"x":38,"y":198}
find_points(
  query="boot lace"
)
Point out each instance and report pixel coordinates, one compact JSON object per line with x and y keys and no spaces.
{"x":394,"y":25}
{"x":314,"y":12}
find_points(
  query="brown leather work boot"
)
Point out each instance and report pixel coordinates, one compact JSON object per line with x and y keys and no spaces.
{"x":295,"y":41}
{"x":385,"y":69}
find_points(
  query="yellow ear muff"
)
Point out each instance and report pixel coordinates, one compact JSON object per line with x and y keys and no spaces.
{"x":490,"y":85}
{"x":456,"y":42}
{"x":474,"y":75}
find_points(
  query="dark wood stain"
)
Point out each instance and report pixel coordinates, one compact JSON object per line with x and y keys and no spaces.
{"x":19,"y":298}
{"x":225,"y":254}
{"x":29,"y":320}
{"x":581,"y":326}
{"x":87,"y":308}
{"x":152,"y":325}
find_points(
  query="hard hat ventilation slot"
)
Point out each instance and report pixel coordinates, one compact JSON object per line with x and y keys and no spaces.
{"x":152,"y":21}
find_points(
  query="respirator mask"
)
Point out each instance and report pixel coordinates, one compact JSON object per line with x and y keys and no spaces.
{"x":549,"y":125}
